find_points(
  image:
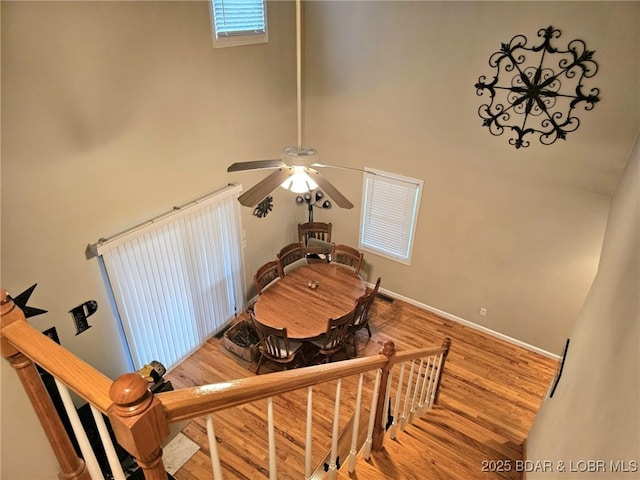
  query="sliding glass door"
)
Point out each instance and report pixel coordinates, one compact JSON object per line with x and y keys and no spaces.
{"x":179,"y":280}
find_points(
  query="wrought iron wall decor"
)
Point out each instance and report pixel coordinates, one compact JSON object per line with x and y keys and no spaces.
{"x":264,"y":207}
{"x":536,"y":89}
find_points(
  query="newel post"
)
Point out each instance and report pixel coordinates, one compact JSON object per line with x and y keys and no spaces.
{"x":71,"y":466}
{"x":389,"y":350}
{"x":139,"y":423}
{"x":446,"y":345}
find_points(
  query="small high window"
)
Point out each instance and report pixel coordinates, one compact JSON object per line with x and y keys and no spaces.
{"x":238,"y":22}
{"x":390,"y":205}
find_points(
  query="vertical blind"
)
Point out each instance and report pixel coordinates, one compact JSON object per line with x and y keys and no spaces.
{"x":178,"y":280}
{"x":390,"y":206}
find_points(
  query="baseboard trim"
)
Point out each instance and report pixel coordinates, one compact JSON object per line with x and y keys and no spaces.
{"x":470,"y":324}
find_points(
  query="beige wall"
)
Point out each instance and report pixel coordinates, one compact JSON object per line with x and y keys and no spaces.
{"x":113,"y":112}
{"x":594,"y":413}
{"x":391,"y":86}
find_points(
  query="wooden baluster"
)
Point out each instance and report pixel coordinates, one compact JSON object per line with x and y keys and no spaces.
{"x":71,"y":466}
{"x":446,"y":344}
{"x":271,"y":428}
{"x":387,"y":401}
{"x":434,"y":379}
{"x":216,"y":466}
{"x":356,"y":423}
{"x":110,"y":451}
{"x":389,"y":350}
{"x":427,"y":376}
{"x":90,"y":460}
{"x":396,"y":408}
{"x":309,"y":436}
{"x":403,"y":420}
{"x":415,"y":392}
{"x":333,"y":466}
{"x":139,"y":423}
{"x":372,"y":416}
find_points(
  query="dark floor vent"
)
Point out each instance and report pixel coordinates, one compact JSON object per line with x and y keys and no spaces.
{"x":384,"y":297}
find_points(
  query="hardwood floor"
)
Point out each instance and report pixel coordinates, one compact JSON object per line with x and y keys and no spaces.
{"x":490,"y":393}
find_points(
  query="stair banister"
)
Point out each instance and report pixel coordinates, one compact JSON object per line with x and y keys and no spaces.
{"x":190,"y":402}
{"x":140,"y":419}
{"x":71,"y":466}
{"x":136,"y":425}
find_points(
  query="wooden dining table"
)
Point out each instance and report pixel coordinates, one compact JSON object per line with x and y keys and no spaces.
{"x":292,"y":303}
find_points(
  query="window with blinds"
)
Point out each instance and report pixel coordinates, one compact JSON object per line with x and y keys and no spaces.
{"x":390,"y":205}
{"x":177,"y":279}
{"x":238,"y":22}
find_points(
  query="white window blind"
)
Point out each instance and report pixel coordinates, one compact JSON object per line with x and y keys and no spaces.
{"x":178,"y":280}
{"x":390,"y":207}
{"x":238,"y":22}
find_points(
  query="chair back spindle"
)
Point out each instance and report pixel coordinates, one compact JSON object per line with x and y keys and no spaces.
{"x":334,"y":339}
{"x":289,"y":256}
{"x":361,"y":319}
{"x":274,"y":344}
{"x":266,"y":274}
{"x":347,"y":255}
{"x":317,"y":230}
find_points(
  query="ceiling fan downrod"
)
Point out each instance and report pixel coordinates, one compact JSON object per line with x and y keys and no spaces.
{"x":299,"y":71}
{"x":299,"y":155}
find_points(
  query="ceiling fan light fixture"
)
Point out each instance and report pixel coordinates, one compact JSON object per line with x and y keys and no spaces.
{"x":299,"y":181}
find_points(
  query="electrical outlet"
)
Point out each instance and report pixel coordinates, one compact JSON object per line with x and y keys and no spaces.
{"x":483,"y":312}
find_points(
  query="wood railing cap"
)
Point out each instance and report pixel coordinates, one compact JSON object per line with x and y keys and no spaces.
{"x":130,"y":394}
{"x":6,"y":303}
{"x":388,"y":348}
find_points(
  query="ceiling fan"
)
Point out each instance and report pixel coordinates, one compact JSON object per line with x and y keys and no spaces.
{"x":293,"y":171}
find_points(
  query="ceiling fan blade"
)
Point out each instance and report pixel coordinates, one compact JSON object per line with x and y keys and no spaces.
{"x":326,"y":165}
{"x":256,"y":165}
{"x":264,"y":187}
{"x":329,"y":189}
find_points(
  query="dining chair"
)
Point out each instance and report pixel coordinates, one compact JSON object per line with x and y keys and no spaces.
{"x":274,"y":345}
{"x":361,"y":319}
{"x":334,"y":338}
{"x":317,"y":230}
{"x":347,"y":255}
{"x":318,"y":251}
{"x":290,"y":257}
{"x":266,"y":274}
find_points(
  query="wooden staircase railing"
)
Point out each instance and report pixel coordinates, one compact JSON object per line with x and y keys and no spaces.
{"x":140,"y":419}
